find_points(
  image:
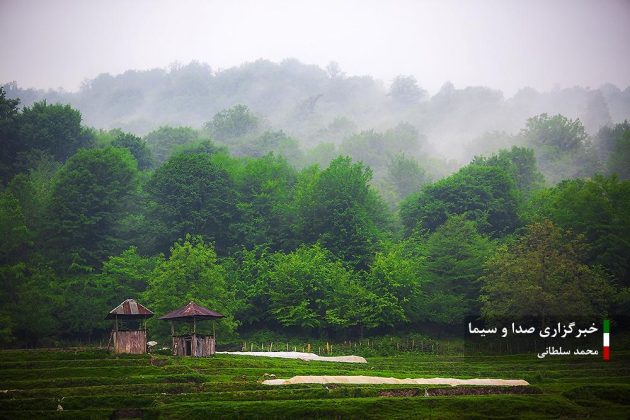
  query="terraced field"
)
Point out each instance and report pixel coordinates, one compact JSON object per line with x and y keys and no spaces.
{"x":94,"y":384}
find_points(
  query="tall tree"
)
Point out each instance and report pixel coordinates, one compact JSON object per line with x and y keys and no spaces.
{"x":52,"y":129}
{"x":90,"y":194}
{"x":543,"y":275}
{"x":485,"y":194}
{"x":137,"y":147}
{"x":599,"y":209}
{"x":619,"y":161}
{"x":454,"y":256}
{"x":192,"y":194}
{"x":165,"y":140}
{"x":311,"y":290}
{"x":232,"y":123}
{"x":394,"y":279}
{"x":333,"y":208}
{"x":13,"y":229}
{"x":405,"y":175}
{"x":562,"y":147}
{"x":266,"y":193}
{"x":191,"y":273}
{"x":9,"y":142}
{"x":606,"y":139}
{"x":520,"y":163}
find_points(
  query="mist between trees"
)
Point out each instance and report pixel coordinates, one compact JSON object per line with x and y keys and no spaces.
{"x":327,"y":210}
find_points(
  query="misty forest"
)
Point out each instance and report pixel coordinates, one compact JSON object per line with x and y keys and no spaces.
{"x":302,"y":202}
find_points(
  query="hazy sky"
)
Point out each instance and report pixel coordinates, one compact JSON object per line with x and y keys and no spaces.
{"x":502,"y":44}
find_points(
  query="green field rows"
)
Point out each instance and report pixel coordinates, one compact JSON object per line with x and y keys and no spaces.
{"x":94,"y":384}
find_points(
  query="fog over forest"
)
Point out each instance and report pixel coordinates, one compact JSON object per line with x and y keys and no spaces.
{"x":323,"y":105}
{"x":313,"y":169}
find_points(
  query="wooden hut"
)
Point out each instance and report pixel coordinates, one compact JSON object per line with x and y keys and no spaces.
{"x":130,"y":329}
{"x":192,"y":343}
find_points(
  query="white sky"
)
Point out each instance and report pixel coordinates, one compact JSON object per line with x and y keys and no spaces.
{"x":502,"y":44}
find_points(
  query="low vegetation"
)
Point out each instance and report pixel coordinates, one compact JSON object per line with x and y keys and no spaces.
{"x":83,"y":383}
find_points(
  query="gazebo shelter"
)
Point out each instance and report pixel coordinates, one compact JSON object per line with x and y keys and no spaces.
{"x":130,"y":328}
{"x":192,"y":343}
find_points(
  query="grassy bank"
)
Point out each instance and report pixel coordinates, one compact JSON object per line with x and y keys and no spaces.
{"x":94,"y":384}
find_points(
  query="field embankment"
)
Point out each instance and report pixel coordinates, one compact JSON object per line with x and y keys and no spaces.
{"x":94,"y":384}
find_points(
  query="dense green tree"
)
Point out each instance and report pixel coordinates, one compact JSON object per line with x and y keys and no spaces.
{"x":52,"y":129}
{"x":232,"y":123}
{"x":405,"y":175}
{"x":90,"y":195}
{"x":375,"y":149}
{"x":598,"y":208}
{"x":28,"y":287}
{"x":332,"y":208}
{"x":247,"y":278}
{"x":83,"y":301}
{"x":33,"y":190}
{"x":606,"y":139}
{"x":204,"y":146}
{"x":562,"y":147}
{"x":165,"y":140}
{"x":192,"y":194}
{"x":129,"y":272}
{"x":485,"y":194}
{"x":520,"y":163}
{"x":266,"y":192}
{"x":9,"y":142}
{"x":84,"y":298}
{"x":311,"y":290}
{"x":313,"y":251}
{"x":557,"y":132}
{"x":619,"y":161}
{"x":191,"y":273}
{"x":543,"y":275}
{"x":453,"y":262}
{"x":394,"y":279}
{"x":13,"y":229}
{"x":137,"y":147}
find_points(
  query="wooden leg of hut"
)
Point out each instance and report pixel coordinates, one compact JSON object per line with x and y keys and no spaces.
{"x":173,"y":345}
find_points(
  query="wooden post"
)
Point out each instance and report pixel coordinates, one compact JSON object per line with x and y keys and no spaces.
{"x":117,"y":323}
{"x":194,"y":325}
{"x":214,"y":333}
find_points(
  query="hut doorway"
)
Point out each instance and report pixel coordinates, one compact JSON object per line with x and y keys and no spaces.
{"x":188,"y":346}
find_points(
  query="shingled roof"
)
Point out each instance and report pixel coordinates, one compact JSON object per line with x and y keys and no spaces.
{"x":190,"y":311}
{"x":129,"y":309}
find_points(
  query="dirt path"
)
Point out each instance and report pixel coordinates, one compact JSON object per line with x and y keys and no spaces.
{"x":297,"y":355}
{"x":365,"y":380}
